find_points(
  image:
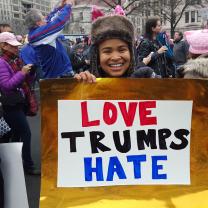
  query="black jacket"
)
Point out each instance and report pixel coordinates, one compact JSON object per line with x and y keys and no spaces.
{"x":158,"y":61}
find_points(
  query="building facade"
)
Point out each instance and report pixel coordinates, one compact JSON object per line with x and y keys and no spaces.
{"x":191,"y":17}
{"x":139,"y":11}
{"x":81,"y":16}
{"x":13,"y":12}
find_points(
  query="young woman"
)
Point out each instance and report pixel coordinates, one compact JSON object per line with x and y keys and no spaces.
{"x":112,"y":50}
{"x":152,"y":47}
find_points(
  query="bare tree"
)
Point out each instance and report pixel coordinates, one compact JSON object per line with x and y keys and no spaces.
{"x":128,"y":6}
{"x":170,"y":10}
{"x":173,"y":10}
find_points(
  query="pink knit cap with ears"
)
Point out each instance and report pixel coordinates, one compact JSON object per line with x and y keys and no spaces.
{"x":119,"y":11}
{"x":198,"y":41}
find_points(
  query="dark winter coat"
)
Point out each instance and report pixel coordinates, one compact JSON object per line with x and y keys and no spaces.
{"x":158,"y":61}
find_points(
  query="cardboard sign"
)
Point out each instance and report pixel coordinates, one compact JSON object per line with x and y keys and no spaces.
{"x":64,"y":101}
{"x":123,"y":142}
{"x":13,"y":174}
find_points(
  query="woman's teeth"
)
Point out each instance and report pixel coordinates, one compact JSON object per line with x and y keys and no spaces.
{"x":115,"y":65}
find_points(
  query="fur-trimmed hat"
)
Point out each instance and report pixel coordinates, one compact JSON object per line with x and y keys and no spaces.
{"x":111,"y":27}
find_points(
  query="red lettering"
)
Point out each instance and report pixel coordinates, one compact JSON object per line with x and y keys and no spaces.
{"x":144,"y":113}
{"x":85,"y":117}
{"x":109,"y":119}
{"x":129,"y":115}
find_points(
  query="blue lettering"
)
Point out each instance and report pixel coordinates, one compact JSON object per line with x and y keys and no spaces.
{"x":89,"y":169}
{"x":115,"y":167}
{"x":137,"y":159}
{"x":156,"y":167}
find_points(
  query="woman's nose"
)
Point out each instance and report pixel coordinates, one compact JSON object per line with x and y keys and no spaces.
{"x":115,"y":56}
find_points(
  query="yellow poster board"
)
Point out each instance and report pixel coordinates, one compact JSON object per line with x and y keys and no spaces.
{"x":151,"y":196}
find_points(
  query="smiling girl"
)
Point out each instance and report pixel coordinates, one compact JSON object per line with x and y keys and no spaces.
{"x":112,"y":52}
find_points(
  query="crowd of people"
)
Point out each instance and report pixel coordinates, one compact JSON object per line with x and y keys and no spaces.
{"x":111,"y":50}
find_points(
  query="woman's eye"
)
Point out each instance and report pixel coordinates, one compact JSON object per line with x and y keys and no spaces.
{"x":106,"y":52}
{"x":122,"y":50}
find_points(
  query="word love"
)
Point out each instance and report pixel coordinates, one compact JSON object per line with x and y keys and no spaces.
{"x":128,"y":113}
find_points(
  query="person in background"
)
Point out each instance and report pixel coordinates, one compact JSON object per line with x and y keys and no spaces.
{"x":5,"y":28}
{"x":196,"y":67}
{"x":78,"y":40}
{"x":61,"y":38}
{"x":79,"y":63}
{"x":180,"y":50}
{"x":28,"y":56}
{"x":150,"y":46}
{"x":43,"y":36}
{"x":14,"y":79}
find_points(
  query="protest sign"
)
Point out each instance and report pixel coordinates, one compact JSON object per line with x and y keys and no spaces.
{"x":13,"y":174}
{"x":125,"y":173}
{"x":123,"y":142}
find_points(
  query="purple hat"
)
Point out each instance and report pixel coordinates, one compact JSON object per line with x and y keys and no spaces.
{"x":198,"y":41}
{"x":7,"y":37}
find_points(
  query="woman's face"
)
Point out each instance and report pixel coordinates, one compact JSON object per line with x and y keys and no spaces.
{"x":114,"y":57}
{"x":12,"y":49}
{"x":158,"y":27}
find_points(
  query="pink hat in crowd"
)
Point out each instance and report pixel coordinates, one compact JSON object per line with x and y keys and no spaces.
{"x":10,"y":38}
{"x":198,"y":41}
{"x":19,"y":38}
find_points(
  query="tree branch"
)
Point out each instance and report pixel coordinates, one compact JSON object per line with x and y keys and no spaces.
{"x":110,"y":5}
{"x":126,"y":7}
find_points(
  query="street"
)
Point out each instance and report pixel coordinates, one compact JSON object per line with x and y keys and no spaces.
{"x":33,"y":182}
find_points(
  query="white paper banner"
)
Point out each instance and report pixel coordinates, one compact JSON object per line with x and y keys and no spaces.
{"x":13,"y":174}
{"x":105,"y":143}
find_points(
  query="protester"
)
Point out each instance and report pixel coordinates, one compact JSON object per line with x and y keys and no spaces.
{"x":180,"y":49}
{"x":79,"y":63}
{"x":196,"y":67}
{"x":61,"y":38}
{"x":150,"y":46}
{"x":43,"y":36}
{"x":112,"y":50}
{"x":28,"y":56}
{"x":5,"y":28}
{"x":14,"y":81}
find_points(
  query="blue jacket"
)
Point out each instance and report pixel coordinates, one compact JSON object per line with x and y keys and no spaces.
{"x":51,"y":54}
{"x":163,"y":39}
{"x":27,"y":54}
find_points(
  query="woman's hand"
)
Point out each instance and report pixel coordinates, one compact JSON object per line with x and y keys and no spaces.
{"x":162,"y":50}
{"x":146,"y":60}
{"x":64,"y":2}
{"x":26,"y":69}
{"x":85,"y":76}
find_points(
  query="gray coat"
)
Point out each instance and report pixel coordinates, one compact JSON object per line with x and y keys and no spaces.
{"x":196,"y":68}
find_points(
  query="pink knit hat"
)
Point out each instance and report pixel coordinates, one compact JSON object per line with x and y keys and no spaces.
{"x":7,"y":37}
{"x":198,"y":41}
